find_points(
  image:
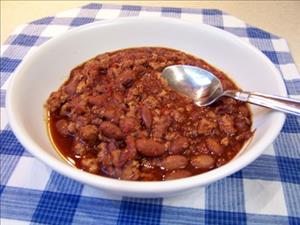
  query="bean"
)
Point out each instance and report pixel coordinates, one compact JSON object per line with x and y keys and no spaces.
{"x":148,"y":176}
{"x":130,"y":152}
{"x":111,"y":130}
{"x":179,"y":145}
{"x":131,"y":146}
{"x":146,"y":116}
{"x":177,"y":174}
{"x":151,"y":148}
{"x":173,"y":162}
{"x":214,"y":146}
{"x":203,"y":161}
{"x":128,"y":124}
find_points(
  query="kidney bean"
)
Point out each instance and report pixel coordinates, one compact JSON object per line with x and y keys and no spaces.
{"x":130,"y":151}
{"x":214,"y":146}
{"x":111,"y":130}
{"x":203,"y":161}
{"x":131,"y":146}
{"x":177,"y":174}
{"x":148,"y":176}
{"x":149,"y":147}
{"x":146,"y":116}
{"x":178,"y":145}
{"x":173,"y":162}
{"x":128,"y":124}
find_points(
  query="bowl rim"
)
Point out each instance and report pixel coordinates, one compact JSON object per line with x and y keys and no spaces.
{"x":141,"y":187}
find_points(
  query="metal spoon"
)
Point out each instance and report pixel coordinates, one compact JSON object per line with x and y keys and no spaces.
{"x":205,"y":88}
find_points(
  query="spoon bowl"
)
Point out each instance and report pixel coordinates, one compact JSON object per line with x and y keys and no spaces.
{"x":194,"y":82}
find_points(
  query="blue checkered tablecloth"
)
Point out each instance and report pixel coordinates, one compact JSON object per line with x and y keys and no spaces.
{"x":265,"y":192}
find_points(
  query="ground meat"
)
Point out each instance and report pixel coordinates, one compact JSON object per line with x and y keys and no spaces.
{"x":226,"y":124}
{"x":116,"y":117}
{"x":98,"y":100}
{"x":90,"y":164}
{"x":62,"y":127}
{"x":111,"y":114}
{"x":126,"y":79}
{"x":89,"y":133}
{"x":160,"y":126}
{"x":206,"y":126}
{"x":131,"y":171}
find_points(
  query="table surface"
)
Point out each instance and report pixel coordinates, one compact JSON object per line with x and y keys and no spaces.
{"x":280,"y":18}
{"x":266,"y":191}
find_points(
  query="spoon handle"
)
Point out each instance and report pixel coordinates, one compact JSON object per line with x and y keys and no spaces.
{"x":283,"y":104}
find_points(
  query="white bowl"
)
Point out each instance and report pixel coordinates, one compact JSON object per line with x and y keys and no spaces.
{"x":45,"y":69}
